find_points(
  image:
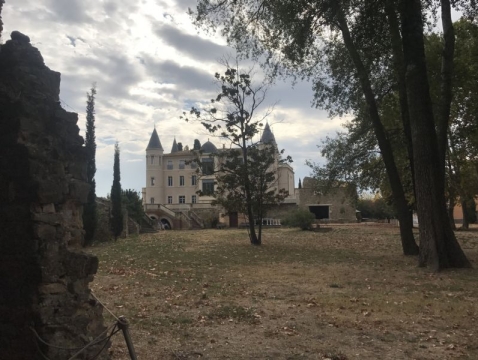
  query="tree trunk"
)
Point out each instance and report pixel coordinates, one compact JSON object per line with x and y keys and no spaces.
{"x":247,"y":187}
{"x":451,"y":208}
{"x":451,"y":193}
{"x":466,"y":224}
{"x":401,"y":207}
{"x":438,"y":246}
{"x":400,"y":72}
{"x":446,"y":95}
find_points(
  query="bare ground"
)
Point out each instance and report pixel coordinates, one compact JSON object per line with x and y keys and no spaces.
{"x":345,"y":292}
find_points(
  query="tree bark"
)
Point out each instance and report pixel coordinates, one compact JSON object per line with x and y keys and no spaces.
{"x":465,"y":225}
{"x":409,"y":245}
{"x":446,"y":95}
{"x":399,"y":67}
{"x":450,"y":183}
{"x":439,"y":248}
{"x":247,"y":187}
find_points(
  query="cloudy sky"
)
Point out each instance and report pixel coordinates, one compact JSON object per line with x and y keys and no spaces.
{"x":150,"y":64}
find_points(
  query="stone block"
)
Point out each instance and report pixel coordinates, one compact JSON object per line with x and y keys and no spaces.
{"x":79,"y":190}
{"x":45,"y":232}
{"x":80,"y":264}
{"x":55,"y":288}
{"x":52,"y":219}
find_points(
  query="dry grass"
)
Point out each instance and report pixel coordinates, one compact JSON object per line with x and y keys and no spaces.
{"x":347,"y":293}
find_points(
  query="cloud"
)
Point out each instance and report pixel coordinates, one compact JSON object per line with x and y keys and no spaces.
{"x":150,"y":66}
{"x":193,"y":46}
{"x":71,"y":11}
{"x":170,"y":72}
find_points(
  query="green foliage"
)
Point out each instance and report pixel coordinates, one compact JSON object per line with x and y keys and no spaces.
{"x":375,"y":209}
{"x":116,"y":197}
{"x":300,"y":218}
{"x":133,"y":203}
{"x":90,"y":219}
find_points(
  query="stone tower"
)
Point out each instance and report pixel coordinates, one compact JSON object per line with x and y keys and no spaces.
{"x":154,"y":164}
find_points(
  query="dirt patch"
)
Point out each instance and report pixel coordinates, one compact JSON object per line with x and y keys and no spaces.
{"x":343,"y":294}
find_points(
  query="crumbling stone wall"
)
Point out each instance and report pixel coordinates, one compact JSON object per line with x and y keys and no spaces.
{"x":44,"y":275}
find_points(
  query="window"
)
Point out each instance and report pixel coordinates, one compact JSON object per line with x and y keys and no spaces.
{"x":193,"y":199}
{"x":170,"y":165}
{"x":193,"y":180}
{"x":207,"y":166}
{"x":152,"y":180}
{"x":182,"y":199}
{"x":170,"y":199}
{"x":170,"y":181}
{"x":194,"y":165}
{"x":208,"y":187}
{"x":181,"y":180}
{"x":152,"y":159}
{"x":181,"y":164}
{"x":152,"y":200}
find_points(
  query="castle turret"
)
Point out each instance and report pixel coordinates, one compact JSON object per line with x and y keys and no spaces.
{"x":267,"y":136}
{"x":154,"y":164}
{"x":174,"y":148}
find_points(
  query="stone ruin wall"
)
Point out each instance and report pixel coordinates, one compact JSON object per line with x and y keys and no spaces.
{"x":44,"y":275}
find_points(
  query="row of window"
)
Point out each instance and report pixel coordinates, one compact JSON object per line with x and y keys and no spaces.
{"x":181,"y":199}
{"x":207,"y":184}
{"x":182,"y":180}
{"x":170,"y":164}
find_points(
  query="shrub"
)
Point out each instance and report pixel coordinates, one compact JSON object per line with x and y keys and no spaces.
{"x":301,"y":218}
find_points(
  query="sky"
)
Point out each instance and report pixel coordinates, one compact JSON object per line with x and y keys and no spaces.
{"x":150,"y":64}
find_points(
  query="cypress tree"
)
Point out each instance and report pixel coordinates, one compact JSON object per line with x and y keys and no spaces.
{"x":116,"y":208}
{"x":90,"y":219}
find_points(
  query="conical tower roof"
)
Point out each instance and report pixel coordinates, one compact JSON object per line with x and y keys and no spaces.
{"x":175,"y":147}
{"x":154,"y":142}
{"x":267,"y":135}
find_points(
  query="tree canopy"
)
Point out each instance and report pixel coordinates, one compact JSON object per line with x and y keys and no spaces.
{"x":382,"y":44}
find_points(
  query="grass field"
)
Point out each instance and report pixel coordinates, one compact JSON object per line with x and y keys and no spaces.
{"x":343,"y":293}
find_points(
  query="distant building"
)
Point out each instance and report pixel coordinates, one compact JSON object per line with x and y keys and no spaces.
{"x":172,"y":183}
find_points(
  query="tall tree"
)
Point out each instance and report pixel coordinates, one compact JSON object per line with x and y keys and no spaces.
{"x":90,"y":219}
{"x":116,"y":197}
{"x":301,"y":34}
{"x":438,"y":246}
{"x":293,"y":37}
{"x":246,"y":177}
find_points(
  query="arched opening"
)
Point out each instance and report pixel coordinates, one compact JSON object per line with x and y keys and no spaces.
{"x":166,"y":224}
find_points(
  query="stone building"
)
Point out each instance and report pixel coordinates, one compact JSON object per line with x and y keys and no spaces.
{"x":335,"y":205}
{"x":172,"y":183}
